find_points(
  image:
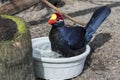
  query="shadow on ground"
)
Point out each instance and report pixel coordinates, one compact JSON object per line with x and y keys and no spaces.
{"x":89,"y":10}
{"x":98,"y":41}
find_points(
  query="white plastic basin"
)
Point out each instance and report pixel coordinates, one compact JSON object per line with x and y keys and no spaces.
{"x":56,"y":68}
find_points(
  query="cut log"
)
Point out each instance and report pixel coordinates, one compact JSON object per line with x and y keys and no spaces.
{"x":15,"y":6}
{"x":15,"y":51}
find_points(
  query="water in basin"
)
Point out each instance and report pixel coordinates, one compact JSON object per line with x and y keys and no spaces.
{"x":44,"y":50}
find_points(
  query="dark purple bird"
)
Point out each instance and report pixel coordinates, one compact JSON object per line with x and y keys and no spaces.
{"x":71,"y":41}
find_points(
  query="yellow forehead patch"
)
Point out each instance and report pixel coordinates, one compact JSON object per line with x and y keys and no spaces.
{"x":53,"y":16}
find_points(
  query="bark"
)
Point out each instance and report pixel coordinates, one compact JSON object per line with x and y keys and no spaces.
{"x":15,"y":6}
{"x":16,"y":58}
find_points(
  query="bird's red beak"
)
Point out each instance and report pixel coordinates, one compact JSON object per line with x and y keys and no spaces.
{"x":53,"y":19}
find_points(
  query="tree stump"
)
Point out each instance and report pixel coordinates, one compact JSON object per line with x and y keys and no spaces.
{"x":15,"y":49}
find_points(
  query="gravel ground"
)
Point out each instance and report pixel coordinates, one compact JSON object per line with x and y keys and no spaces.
{"x":104,"y":61}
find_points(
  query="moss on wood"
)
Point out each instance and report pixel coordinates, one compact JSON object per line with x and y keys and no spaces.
{"x":16,"y":54}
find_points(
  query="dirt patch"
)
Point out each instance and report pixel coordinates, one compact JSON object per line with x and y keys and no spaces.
{"x":104,"y":61}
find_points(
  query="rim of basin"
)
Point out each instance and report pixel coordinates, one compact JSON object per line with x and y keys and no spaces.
{"x":59,"y":60}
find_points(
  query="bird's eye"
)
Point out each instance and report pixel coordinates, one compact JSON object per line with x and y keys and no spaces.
{"x":57,"y":19}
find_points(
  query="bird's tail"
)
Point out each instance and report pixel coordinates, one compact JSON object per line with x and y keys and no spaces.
{"x":97,"y":18}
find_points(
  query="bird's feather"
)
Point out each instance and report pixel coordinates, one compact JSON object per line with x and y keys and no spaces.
{"x":96,"y":20}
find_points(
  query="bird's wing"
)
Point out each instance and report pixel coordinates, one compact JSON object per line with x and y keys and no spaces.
{"x":75,"y":37}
